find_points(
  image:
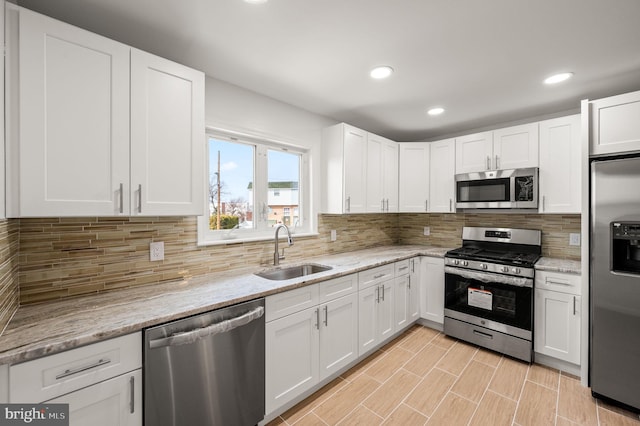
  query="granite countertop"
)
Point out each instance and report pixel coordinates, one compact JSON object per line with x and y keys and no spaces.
{"x":559,"y":265}
{"x":42,"y":329}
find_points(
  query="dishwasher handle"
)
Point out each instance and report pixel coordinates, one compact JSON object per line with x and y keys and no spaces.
{"x":193,"y":336}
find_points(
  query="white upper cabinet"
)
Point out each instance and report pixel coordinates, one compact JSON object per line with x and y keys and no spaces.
{"x":69,"y":125}
{"x":344,"y":169}
{"x":413,"y":187}
{"x":508,"y":148}
{"x":614,"y":124}
{"x":359,"y":171}
{"x":441,"y":177}
{"x":2,"y":178}
{"x":167,"y":137}
{"x":560,"y":173}
{"x":474,"y":153}
{"x":382,"y":174}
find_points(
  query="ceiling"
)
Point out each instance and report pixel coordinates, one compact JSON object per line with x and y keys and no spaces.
{"x":484,"y":61}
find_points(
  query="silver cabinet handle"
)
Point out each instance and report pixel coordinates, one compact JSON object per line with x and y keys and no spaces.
{"x":574,"y":305}
{"x":326,"y":316}
{"x":387,"y":204}
{"x":450,"y":205}
{"x":348,"y":204}
{"x":488,"y":163}
{"x":481,"y":334}
{"x":121,"y":198}
{"x":132,"y":401}
{"x":382,"y":204}
{"x":552,"y":281}
{"x":140,"y":198}
{"x":409,"y":283}
{"x":318,"y":318}
{"x":193,"y":336}
{"x":403,"y":268}
{"x":543,"y":200}
{"x":413,"y":265}
{"x":382,"y":292}
{"x":497,"y":163}
{"x":426,"y":205}
{"x":377,"y":294}
{"x":72,"y":371}
{"x":375,"y":277}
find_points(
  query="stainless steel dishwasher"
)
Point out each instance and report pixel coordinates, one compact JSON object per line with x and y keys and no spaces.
{"x":206,"y":369}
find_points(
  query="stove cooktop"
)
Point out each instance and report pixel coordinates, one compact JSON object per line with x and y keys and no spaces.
{"x":496,"y":256}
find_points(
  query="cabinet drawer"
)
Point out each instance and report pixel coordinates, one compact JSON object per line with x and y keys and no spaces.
{"x":563,"y":283}
{"x":288,"y":302}
{"x":375,"y":275}
{"x":46,"y":378}
{"x":402,"y":267}
{"x":337,"y":287}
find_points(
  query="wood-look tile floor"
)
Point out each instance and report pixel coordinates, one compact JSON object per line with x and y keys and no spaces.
{"x":424,"y":377}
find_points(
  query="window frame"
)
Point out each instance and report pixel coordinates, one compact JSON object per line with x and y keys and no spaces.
{"x":261,"y":230}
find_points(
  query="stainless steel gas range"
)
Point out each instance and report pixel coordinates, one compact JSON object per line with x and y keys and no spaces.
{"x":489,"y":289}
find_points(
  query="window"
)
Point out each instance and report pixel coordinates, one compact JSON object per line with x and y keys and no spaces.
{"x":253,"y":186}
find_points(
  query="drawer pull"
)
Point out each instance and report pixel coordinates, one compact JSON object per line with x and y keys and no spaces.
{"x":551,"y":281}
{"x":481,"y":334}
{"x":375,"y":277}
{"x":403,"y":268}
{"x":72,"y":371}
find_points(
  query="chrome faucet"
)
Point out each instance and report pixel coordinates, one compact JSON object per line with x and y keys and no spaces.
{"x":276,"y":255}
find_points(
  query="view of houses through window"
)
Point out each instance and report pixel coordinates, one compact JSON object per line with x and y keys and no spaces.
{"x":252,"y":186}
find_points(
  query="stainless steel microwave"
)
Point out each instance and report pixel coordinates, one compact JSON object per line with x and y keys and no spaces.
{"x":498,"y":189}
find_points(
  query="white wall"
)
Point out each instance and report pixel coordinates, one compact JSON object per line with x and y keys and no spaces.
{"x":236,"y":109}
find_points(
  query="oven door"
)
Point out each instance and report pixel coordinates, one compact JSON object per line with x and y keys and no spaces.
{"x":500,"y":302}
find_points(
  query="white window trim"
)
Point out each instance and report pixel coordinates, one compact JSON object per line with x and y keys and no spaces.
{"x":262,"y":231}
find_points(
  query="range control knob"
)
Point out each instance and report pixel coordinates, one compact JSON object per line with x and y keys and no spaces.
{"x":484,"y":266}
{"x":456,"y":262}
{"x":465,"y":263}
{"x":504,"y":269}
{"x":516,"y":270}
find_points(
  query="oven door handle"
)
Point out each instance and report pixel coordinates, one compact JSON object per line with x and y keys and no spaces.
{"x":487,"y":277}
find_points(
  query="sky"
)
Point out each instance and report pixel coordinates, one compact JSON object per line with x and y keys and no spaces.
{"x":236,"y":167}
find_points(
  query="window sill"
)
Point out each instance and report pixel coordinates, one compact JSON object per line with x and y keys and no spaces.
{"x":240,"y":239}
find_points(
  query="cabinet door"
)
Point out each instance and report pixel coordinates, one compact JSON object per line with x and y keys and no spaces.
{"x":557,"y":325}
{"x":441,"y":177}
{"x":515,"y":147}
{"x":614,"y":125}
{"x":386,"y":318}
{"x":413,"y":185}
{"x":390,"y":172}
{"x":414,"y":290}
{"x":114,"y":402}
{"x":375,"y":175}
{"x":355,"y":171}
{"x":69,"y":149}
{"x":401,"y":293}
{"x":432,"y":283}
{"x":560,"y":168}
{"x":291,"y":356}
{"x":338,"y":334}
{"x":474,"y":153}
{"x":167,"y":137}
{"x":367,"y":319}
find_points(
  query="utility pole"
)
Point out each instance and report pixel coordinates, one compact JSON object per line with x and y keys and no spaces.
{"x":219,"y":206}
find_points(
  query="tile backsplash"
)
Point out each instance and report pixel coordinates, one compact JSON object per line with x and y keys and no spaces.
{"x":65,"y":257}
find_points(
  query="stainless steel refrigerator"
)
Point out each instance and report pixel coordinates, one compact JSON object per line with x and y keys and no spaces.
{"x":615,"y":280}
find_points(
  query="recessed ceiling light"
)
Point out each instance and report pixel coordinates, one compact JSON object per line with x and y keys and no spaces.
{"x":256,"y":1}
{"x":558,"y":78}
{"x":381,"y":72}
{"x":435,"y":111}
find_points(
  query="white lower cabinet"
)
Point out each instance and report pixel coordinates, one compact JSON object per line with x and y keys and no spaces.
{"x":557,"y":316}
{"x":406,"y":293}
{"x":101,"y":382}
{"x":114,"y":402}
{"x":311,"y":344}
{"x":432,"y":289}
{"x":376,"y":320}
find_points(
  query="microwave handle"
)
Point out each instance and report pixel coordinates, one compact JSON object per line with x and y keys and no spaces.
{"x":497,"y":162}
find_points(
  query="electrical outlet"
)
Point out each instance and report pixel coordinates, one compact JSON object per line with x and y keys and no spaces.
{"x":156,"y":251}
{"x":574,"y":239}
{"x":334,"y":235}
{"x":427,"y":231}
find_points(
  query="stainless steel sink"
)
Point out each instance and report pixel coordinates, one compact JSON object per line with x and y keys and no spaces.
{"x":293,"y":271}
